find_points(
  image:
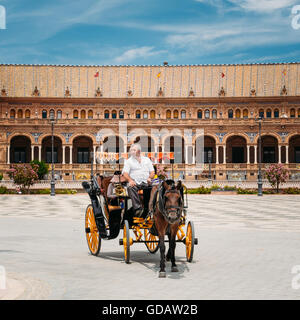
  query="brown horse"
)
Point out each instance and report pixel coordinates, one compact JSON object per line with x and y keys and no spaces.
{"x":167,"y":214}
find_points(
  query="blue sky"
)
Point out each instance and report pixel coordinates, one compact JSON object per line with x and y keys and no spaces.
{"x":149,"y":32}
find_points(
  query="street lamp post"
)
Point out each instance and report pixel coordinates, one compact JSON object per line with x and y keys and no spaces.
{"x":52,"y":154}
{"x":259,"y":183}
{"x":209,"y":153}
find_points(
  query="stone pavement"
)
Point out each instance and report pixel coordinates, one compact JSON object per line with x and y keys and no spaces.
{"x":247,"y":248}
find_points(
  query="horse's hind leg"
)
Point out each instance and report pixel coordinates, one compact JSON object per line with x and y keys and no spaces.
{"x":162,"y":271}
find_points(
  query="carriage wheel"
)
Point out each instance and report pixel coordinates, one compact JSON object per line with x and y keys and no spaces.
{"x":91,"y":231}
{"x":189,"y":241}
{"x":126,"y":242}
{"x":151,"y":246}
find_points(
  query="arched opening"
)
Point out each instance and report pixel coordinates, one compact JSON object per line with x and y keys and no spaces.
{"x":199,"y":114}
{"x":168,"y":114}
{"x":75,"y":114}
{"x":114,"y":114}
{"x":269,"y":113}
{"x":146,"y":142}
{"x":236,"y":149}
{"x":114,"y":144}
{"x":245,"y":113}
{"x":44,"y":114}
{"x":294,"y":149}
{"x":238,"y":113}
{"x":293,"y":113}
{"x":175,"y":114}
{"x":175,"y":144}
{"x":214,"y":114}
{"x":269,"y":149}
{"x":59,"y":114}
{"x":90,"y":114}
{"x":82,"y":114}
{"x":20,"y":113}
{"x":82,"y":148}
{"x":230,"y":114}
{"x":27,"y":114}
{"x":261,"y":113}
{"x":152,"y":114}
{"x":207,"y":114}
{"x":138,"y":114}
{"x":121,"y":114}
{"x":145,"y":114}
{"x":20,"y":149}
{"x":12,"y":114}
{"x":183,"y":114}
{"x":106,"y":114}
{"x":47,"y":150}
{"x":276,"y":113}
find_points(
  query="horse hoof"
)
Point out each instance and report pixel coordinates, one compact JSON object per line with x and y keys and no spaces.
{"x":174,"y":269}
{"x":162,"y":274}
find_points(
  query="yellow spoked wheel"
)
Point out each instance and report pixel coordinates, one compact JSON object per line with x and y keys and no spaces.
{"x":151,"y":246}
{"x":91,"y":231}
{"x":126,"y":241}
{"x":189,"y":241}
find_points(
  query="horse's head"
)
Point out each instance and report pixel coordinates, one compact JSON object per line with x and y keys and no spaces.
{"x":173,"y":202}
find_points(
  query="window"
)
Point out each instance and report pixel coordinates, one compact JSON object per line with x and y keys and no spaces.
{"x":20,"y":155}
{"x":27,"y":114}
{"x":269,"y":154}
{"x":206,"y":151}
{"x":269,"y":113}
{"x":261,"y":113}
{"x":298,"y":113}
{"x":199,"y":114}
{"x":238,"y":113}
{"x":12,"y":114}
{"x":106,"y":114}
{"x":276,"y":113}
{"x":245,"y":113}
{"x":145,"y":114}
{"x":49,"y":155}
{"x":230,"y":114}
{"x":152,"y":114}
{"x":83,"y":155}
{"x":59,"y":114}
{"x":138,"y":114}
{"x":82,"y":114}
{"x":114,"y":114}
{"x":214,"y":114}
{"x":292,"y":113}
{"x":90,"y":114}
{"x":75,"y":114}
{"x":44,"y":114}
{"x":207,"y":114}
{"x":168,"y":114}
{"x":52,"y":114}
{"x":175,"y":114}
{"x":121,"y":114}
{"x":183,"y":114}
{"x":20,"y":113}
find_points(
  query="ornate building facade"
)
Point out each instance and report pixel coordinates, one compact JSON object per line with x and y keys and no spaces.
{"x":223,"y":100}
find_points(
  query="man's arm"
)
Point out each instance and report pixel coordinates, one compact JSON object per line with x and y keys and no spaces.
{"x":127,"y":177}
{"x":152,"y":172}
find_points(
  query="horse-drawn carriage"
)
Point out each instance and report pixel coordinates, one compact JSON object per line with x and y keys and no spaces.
{"x":105,"y":216}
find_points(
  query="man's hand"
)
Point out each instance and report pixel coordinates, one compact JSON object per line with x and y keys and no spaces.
{"x":132,"y":183}
{"x":149,"y":180}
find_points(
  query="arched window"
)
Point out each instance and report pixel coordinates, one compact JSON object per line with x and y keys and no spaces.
{"x":52,"y":114}
{"x":90,"y":114}
{"x":114,"y":114}
{"x":82,"y":114}
{"x":276,"y":113}
{"x":230,"y":114}
{"x":199,"y":114}
{"x":44,"y":114}
{"x":207,"y":114}
{"x":27,"y":114}
{"x":245,"y":113}
{"x":20,"y":113}
{"x":168,"y":114}
{"x":261,"y":113}
{"x":75,"y":114}
{"x":145,"y":114}
{"x":292,"y":113}
{"x":299,"y":113}
{"x":214,"y":114}
{"x":106,"y":114}
{"x":269,"y":113}
{"x":152,"y":114}
{"x":183,"y":114}
{"x":238,"y":113}
{"x":138,"y":114}
{"x":175,"y":114}
{"x":12,"y":114}
{"x":59,"y":114}
{"x":121,"y":114}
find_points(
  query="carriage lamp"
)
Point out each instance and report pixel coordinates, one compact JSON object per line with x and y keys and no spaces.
{"x":52,"y":153}
{"x":209,"y":154}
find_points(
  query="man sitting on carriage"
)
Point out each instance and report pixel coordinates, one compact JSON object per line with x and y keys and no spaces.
{"x":138,"y":171}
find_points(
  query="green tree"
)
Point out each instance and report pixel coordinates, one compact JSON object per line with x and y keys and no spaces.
{"x":43,"y":168}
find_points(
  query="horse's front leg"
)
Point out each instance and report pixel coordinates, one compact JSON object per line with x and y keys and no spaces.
{"x":173,"y":232}
{"x":162,"y":246}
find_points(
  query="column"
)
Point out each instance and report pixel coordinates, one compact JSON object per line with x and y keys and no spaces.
{"x":194,"y":154}
{"x":248,"y":154}
{"x":217,"y":154}
{"x":101,"y":151}
{"x":224,"y":154}
{"x":40,"y":153}
{"x":255,"y":154}
{"x":71,"y":154}
{"x":32,"y":153}
{"x":287,"y":154}
{"x":94,"y":154}
{"x":63,"y":154}
{"x":163,"y":150}
{"x":279,"y":154}
{"x":8,"y":154}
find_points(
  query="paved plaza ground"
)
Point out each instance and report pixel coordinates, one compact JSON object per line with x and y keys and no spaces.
{"x":247,"y":248}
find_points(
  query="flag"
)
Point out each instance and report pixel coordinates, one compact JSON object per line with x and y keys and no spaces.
{"x":96,"y":75}
{"x":158,"y":75}
{"x":222,"y":74}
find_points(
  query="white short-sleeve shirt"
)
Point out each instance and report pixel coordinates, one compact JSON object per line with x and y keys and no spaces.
{"x":138,"y":171}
